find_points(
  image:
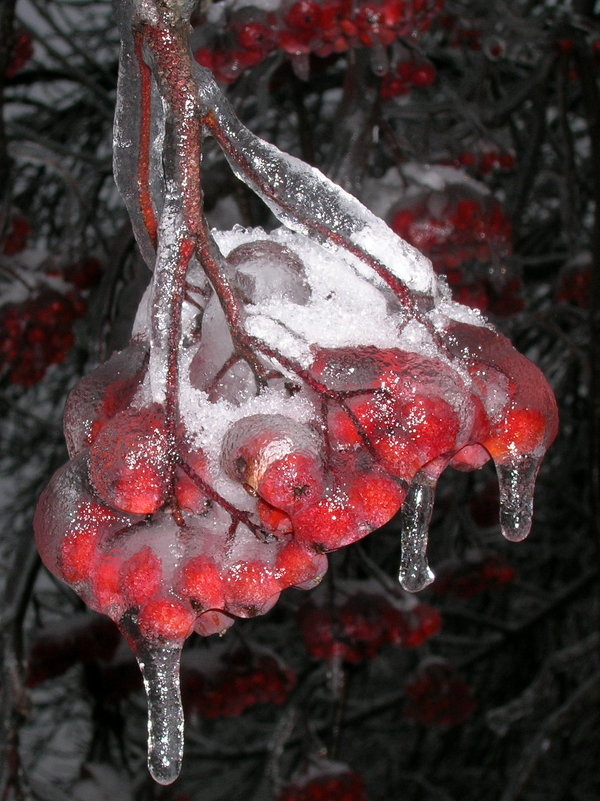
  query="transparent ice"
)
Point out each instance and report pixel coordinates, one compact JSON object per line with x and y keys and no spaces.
{"x":415,"y":573}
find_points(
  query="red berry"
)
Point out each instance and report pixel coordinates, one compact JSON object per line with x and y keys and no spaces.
{"x":330,"y":524}
{"x":201,"y":582}
{"x":522,"y":431}
{"x":273,"y":519}
{"x":305,"y":15}
{"x":376,"y":499}
{"x":129,"y":461}
{"x":164,"y":619}
{"x":141,"y":577}
{"x":77,"y":553}
{"x":296,"y":565}
{"x":187,"y":492}
{"x":424,"y":75}
{"x":293,"y":482}
{"x":106,"y":586}
{"x":78,"y":549}
{"x":249,"y":585}
{"x":398,"y":456}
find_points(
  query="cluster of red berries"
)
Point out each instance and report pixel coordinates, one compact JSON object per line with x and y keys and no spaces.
{"x":359,"y":622}
{"x":83,"y":638}
{"x":477,"y":574}
{"x":113,"y":545}
{"x":224,"y":683}
{"x":37,"y":333}
{"x":324,"y":782}
{"x":22,"y":52}
{"x":437,"y":696}
{"x":459,"y":230}
{"x":456,"y":228}
{"x":402,"y":77}
{"x":303,"y":27}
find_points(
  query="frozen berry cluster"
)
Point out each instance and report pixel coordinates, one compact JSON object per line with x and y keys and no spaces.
{"x":141,"y":534}
{"x":476,"y":574}
{"x":437,"y":696}
{"x":173,"y":524}
{"x":360,"y":621}
{"x":37,"y":333}
{"x":225,"y":682}
{"x":325,"y":781}
{"x":245,"y":36}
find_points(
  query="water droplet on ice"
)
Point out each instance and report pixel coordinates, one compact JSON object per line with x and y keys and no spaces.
{"x":160,"y":671}
{"x":415,"y":517}
{"x":517,"y":484}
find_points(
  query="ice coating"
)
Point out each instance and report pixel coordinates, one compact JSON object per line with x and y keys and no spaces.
{"x":516,"y":480}
{"x":104,"y":392}
{"x":160,"y":671}
{"x":285,"y":394}
{"x":305,"y":200}
{"x":264,"y":270}
{"x":415,"y":573}
{"x":133,"y":127}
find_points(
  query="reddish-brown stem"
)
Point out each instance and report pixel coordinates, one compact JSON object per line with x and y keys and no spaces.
{"x":231,"y":361}
{"x":186,"y":251}
{"x":145,"y":196}
{"x":171,"y":59}
{"x":230,"y":305}
{"x":196,"y":290}
{"x":236,"y":515}
{"x":320,"y":389}
{"x":189,"y":299}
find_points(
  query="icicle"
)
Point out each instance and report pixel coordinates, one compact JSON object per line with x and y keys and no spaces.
{"x":517,"y":484}
{"x":416,"y":513}
{"x":160,"y":670}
